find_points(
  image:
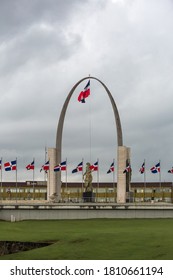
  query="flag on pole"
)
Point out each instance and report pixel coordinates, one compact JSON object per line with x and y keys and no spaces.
{"x":94,"y":167}
{"x":156,"y":168}
{"x":0,"y":164}
{"x":61,"y":167}
{"x":142,"y":169}
{"x":78,"y":168}
{"x":45,"y":166}
{"x":10,"y":165}
{"x":85,"y":93}
{"x":30,"y":166}
{"x":170,"y":171}
{"x":127,"y":169}
{"x":111,"y":169}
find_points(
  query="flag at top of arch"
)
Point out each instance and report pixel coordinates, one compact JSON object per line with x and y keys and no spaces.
{"x":85,"y":93}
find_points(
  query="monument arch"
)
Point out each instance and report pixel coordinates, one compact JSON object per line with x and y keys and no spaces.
{"x":54,"y":178}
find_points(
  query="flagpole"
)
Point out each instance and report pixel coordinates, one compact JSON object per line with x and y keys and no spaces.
{"x":98,"y":180}
{"x":45,"y":174}
{"x":98,"y":174}
{"x":48,"y":195}
{"x":16,"y":180}
{"x":144,"y":180}
{"x":48,"y":191}
{"x":113,"y":175}
{"x":1,"y":177}
{"x":129,"y":178}
{"x":66,"y":177}
{"x":160,"y":175}
{"x":33,"y":179}
{"x":161,"y":190}
{"x":82,"y":175}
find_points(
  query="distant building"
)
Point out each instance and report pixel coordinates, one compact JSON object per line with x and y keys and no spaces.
{"x":105,"y":192}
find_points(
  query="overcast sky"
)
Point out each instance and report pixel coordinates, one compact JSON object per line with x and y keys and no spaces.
{"x":46,"y":46}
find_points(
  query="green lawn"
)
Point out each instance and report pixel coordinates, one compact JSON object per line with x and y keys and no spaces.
{"x":129,"y":239}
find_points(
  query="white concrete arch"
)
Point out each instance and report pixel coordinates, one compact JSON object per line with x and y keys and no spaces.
{"x":55,"y":179}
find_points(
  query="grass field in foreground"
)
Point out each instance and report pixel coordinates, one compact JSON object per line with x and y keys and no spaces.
{"x":136,"y":239}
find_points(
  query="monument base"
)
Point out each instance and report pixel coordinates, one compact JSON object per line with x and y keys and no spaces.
{"x":88,"y":196}
{"x":129,"y":197}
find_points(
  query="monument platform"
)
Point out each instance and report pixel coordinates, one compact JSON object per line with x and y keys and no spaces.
{"x":18,"y":211}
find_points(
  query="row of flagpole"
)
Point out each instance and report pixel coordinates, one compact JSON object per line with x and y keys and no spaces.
{"x":12,"y":165}
{"x":155,"y":169}
{"x":95,"y":167}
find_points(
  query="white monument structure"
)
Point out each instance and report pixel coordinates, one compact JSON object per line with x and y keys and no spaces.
{"x":123,"y":153}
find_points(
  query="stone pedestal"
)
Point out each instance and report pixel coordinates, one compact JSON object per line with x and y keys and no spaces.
{"x":88,"y":196}
{"x":123,"y":156}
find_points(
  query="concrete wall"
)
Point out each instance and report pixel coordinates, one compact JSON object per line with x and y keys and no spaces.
{"x":86,"y":213}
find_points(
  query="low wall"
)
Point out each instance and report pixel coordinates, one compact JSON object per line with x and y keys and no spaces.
{"x":19,"y":212}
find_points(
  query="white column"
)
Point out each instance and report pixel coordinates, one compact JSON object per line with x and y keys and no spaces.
{"x":121,"y":177}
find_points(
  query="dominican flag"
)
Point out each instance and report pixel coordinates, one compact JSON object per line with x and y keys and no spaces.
{"x":111,"y":169}
{"x":45,"y":166}
{"x":127,"y":169}
{"x":10,"y":165}
{"x":142,"y":169}
{"x":94,"y":167}
{"x":78,"y":168}
{"x":156,"y":168}
{"x":61,"y":167}
{"x":85,"y":93}
{"x":30,"y":166}
{"x":170,"y":171}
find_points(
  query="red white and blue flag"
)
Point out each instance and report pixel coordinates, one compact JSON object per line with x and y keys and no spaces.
{"x":156,"y":168}
{"x":127,"y":169}
{"x":85,"y":93}
{"x":0,"y":164}
{"x":30,"y":166}
{"x":45,"y":166}
{"x":10,"y":165}
{"x":94,"y":167}
{"x":142,"y":169}
{"x":61,"y":167}
{"x":111,"y":169}
{"x":78,"y":168}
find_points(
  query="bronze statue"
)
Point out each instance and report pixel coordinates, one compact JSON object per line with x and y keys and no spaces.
{"x":87,"y":176}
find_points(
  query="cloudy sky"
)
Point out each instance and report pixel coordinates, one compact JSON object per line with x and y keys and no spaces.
{"x":46,"y":46}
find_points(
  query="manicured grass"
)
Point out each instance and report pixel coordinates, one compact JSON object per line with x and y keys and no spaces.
{"x":129,"y":239}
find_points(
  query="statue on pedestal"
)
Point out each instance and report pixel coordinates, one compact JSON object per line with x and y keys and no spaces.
{"x":87,"y":176}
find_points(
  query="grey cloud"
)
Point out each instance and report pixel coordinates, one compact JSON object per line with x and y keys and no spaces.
{"x":17,"y":16}
{"x":38,"y":46}
{"x":47,"y":47}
